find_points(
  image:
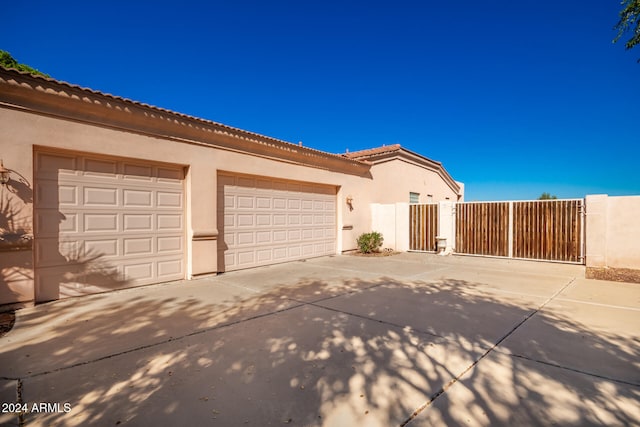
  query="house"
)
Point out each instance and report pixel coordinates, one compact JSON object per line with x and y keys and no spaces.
{"x":396,"y":171}
{"x":106,"y":193}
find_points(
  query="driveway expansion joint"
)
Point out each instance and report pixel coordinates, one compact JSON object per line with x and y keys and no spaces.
{"x":485,"y":354}
{"x":156,"y":344}
{"x":384,"y":322}
{"x":577,"y":371}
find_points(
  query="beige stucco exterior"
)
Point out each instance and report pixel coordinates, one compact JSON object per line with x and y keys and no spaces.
{"x":397,"y":171}
{"x":612,"y":232}
{"x":43,"y":114}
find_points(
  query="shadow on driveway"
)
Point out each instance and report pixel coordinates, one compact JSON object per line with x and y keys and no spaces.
{"x":348,"y":353}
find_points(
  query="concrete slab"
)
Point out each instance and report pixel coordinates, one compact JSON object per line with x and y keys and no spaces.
{"x":603,"y":292}
{"x":337,"y":341}
{"x":74,"y":331}
{"x":599,"y":340}
{"x":8,"y":396}
{"x":494,"y":264}
{"x":303,"y":366}
{"x":395,"y":265}
{"x":445,"y":309}
{"x":503,"y":390}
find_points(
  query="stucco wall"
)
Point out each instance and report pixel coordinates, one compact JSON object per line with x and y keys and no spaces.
{"x":394,"y":180}
{"x":613,"y":232}
{"x":25,"y":131}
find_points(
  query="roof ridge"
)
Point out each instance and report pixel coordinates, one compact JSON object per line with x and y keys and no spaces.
{"x":372,"y":151}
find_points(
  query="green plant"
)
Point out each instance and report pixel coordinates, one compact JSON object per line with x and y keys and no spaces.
{"x":370,"y":242}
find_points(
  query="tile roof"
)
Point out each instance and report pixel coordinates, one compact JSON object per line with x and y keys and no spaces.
{"x":372,"y":151}
{"x":223,"y":127}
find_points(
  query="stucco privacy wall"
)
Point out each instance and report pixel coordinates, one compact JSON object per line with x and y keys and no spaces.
{"x":612,"y":232}
{"x":40,"y":114}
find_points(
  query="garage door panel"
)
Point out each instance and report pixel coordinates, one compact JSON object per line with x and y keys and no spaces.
{"x":264,"y":255}
{"x":171,"y":200}
{"x":294,"y":235}
{"x":293,"y":204}
{"x":49,"y":222}
{"x":101,"y":247}
{"x":263,"y":237}
{"x":230,"y":260}
{"x":169,"y":244}
{"x":170,"y":176}
{"x":136,"y":222}
{"x":259,"y":213}
{"x":294,"y":252}
{"x":246,"y":257}
{"x":245,"y":202}
{"x":263,"y":220}
{"x":168,"y":222}
{"x":99,"y":168}
{"x":137,"y":173}
{"x":293,"y":219}
{"x":245,"y":220}
{"x":279,"y":203}
{"x":137,"y":198}
{"x":263,"y":203}
{"x":101,"y":223}
{"x":280,"y":254}
{"x":246,"y":238}
{"x":139,"y":271}
{"x":114,"y":224}
{"x":168,"y":269}
{"x":51,"y":195}
{"x":51,"y":166}
{"x":100,"y":196}
{"x":280,"y":235}
{"x":138,"y":246}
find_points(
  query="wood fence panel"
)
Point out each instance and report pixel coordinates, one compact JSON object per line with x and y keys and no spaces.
{"x":423,"y":227}
{"x":548,"y":230}
{"x":482,"y":228}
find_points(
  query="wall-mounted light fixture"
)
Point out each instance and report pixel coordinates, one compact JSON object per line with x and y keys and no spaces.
{"x":350,"y":202}
{"x":4,"y":174}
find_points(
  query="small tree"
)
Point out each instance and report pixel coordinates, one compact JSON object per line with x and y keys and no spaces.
{"x":547,"y":196}
{"x":629,"y":23}
{"x":7,"y":61}
{"x":370,"y":242}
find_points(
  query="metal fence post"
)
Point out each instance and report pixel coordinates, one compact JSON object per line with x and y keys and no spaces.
{"x":510,"y":229}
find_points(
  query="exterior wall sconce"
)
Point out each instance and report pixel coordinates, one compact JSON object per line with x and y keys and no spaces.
{"x":350,"y":202}
{"x":4,"y":174}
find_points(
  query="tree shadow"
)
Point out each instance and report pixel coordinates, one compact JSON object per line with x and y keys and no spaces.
{"x":320,"y":353}
{"x":16,"y":238}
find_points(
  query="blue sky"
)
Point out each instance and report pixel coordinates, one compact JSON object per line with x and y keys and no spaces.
{"x":514,"y":98}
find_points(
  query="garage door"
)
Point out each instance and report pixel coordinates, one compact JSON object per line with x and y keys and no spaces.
{"x":103,"y":223}
{"x":266,"y":221}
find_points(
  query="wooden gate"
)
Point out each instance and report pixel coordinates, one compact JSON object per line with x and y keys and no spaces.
{"x":548,"y":229}
{"x":423,"y":227}
{"x":482,"y":228}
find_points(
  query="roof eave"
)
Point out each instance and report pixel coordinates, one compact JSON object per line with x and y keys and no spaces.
{"x":57,"y":98}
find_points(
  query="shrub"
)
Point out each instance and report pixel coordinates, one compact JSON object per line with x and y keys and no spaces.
{"x":370,"y":242}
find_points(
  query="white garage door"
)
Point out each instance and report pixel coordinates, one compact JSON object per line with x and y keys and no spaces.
{"x":266,"y":221}
{"x":103,"y":223}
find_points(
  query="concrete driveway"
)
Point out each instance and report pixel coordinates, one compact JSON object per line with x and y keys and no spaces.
{"x":410,"y":339}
